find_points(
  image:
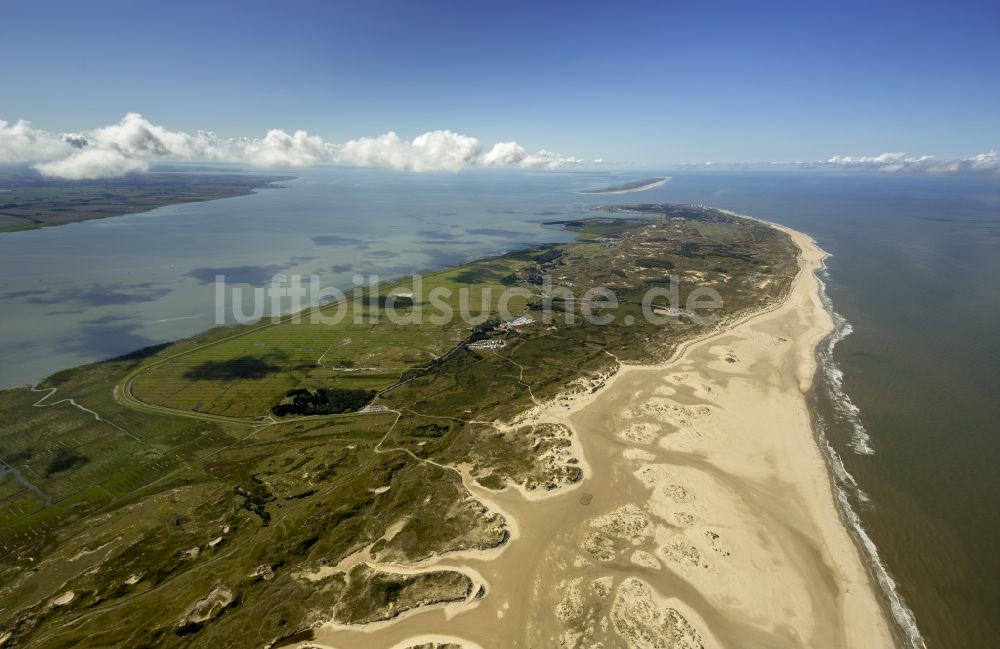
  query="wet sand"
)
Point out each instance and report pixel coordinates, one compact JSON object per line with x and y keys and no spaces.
{"x":706,"y":516}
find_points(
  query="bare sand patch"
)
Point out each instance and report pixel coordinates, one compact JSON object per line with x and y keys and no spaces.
{"x":735,"y":505}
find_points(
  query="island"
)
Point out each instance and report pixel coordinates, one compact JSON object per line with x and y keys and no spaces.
{"x":29,"y":201}
{"x":651,"y":481}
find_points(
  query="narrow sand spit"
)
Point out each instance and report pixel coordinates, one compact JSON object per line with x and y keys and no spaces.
{"x":659,"y":182}
{"x":706,"y":517}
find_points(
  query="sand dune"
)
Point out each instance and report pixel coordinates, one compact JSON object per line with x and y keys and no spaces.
{"x":706,"y":518}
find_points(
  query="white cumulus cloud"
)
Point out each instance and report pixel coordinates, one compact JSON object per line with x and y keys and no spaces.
{"x":898,"y":162}
{"x":86,"y":164}
{"x":883,"y":158}
{"x":548,"y":159}
{"x":986,"y":164}
{"x":20,"y":142}
{"x":504,"y":154}
{"x":276,"y":149}
{"x":432,"y":151}
{"x":133,"y":143}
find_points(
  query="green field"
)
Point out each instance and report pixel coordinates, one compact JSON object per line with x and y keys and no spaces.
{"x":244,"y":373}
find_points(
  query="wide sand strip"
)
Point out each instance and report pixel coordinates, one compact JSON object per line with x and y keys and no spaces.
{"x":706,"y":517}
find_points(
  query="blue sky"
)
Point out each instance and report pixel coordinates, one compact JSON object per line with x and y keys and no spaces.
{"x":641,"y":83}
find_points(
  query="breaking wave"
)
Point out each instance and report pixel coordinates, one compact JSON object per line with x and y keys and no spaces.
{"x":845,"y":486}
{"x":842,"y":404}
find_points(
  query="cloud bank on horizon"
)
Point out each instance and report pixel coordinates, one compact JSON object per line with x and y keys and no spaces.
{"x":892,"y":162}
{"x":133,"y":143}
{"x":983,"y":163}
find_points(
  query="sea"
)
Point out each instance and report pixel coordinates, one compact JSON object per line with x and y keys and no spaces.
{"x":907,"y":405}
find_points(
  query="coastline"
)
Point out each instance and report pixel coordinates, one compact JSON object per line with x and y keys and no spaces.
{"x":837,"y":533}
{"x":701,"y":464}
{"x":844,"y":485}
{"x":187,"y":188}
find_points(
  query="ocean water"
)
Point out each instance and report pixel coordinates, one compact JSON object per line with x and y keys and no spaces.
{"x":908,"y":401}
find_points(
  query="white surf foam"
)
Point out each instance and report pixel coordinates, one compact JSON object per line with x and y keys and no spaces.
{"x":844,"y":482}
{"x":844,"y":407}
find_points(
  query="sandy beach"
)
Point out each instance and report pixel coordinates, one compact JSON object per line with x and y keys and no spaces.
{"x":706,"y":517}
{"x":658,"y":182}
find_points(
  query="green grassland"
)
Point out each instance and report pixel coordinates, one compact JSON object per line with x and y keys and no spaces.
{"x":179,"y":511}
{"x":244,"y":374}
{"x":35,"y":202}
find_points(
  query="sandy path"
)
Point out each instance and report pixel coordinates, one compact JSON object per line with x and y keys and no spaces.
{"x":706,"y":517}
